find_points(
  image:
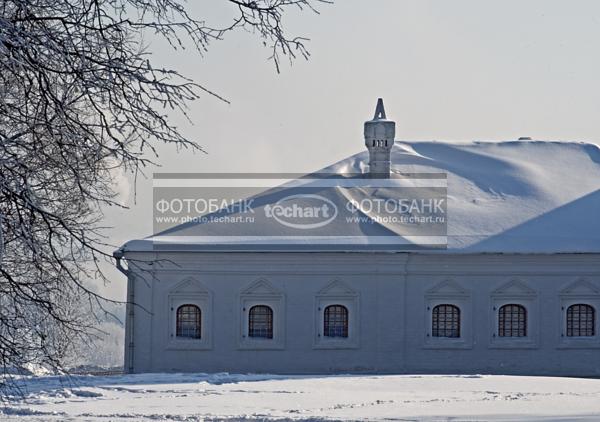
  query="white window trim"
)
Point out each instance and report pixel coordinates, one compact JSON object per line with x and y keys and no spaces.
{"x":569,"y":296}
{"x":324,"y":342}
{"x":202,"y":301}
{"x":337,"y":293}
{"x":515,"y":292}
{"x":458,"y":297}
{"x":591,"y":342}
{"x":262,"y":293}
{"x":530,"y":341}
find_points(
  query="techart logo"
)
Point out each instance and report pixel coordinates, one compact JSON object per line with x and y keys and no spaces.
{"x":302,"y":211}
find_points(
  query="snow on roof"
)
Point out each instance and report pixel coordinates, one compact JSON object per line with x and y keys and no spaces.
{"x":503,"y":197}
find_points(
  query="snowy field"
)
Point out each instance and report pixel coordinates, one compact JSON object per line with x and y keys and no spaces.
{"x":195,"y":397}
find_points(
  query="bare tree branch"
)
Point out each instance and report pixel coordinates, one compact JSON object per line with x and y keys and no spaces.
{"x":79,"y":98}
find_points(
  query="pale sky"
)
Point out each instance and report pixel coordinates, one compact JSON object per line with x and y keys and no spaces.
{"x":447,"y":70}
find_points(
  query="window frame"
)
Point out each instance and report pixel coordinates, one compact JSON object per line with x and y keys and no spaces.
{"x":198,"y":321}
{"x":589,"y":309}
{"x":577,"y":342}
{"x":261,"y":293}
{"x":197,"y":297}
{"x":579,"y":339}
{"x":345,"y":322}
{"x":448,"y":292}
{"x":514,"y":292}
{"x":579,"y":292}
{"x":269,"y":322}
{"x":337,"y":293}
{"x":503,"y":322}
{"x":445,"y":314}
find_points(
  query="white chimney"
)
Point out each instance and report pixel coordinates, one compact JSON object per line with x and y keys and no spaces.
{"x":379,"y":139}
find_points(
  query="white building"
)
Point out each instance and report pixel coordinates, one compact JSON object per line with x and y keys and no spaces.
{"x":516,"y":290}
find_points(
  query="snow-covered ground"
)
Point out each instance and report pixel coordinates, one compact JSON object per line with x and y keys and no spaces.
{"x":194,"y":397}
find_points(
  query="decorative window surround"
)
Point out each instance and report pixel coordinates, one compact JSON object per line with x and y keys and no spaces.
{"x":518,"y":293}
{"x":190,"y":291}
{"x":448,"y":292}
{"x":581,"y":291}
{"x":337,"y":293}
{"x":261,"y":292}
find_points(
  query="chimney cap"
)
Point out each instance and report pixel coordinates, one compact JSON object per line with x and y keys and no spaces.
{"x":379,"y":110}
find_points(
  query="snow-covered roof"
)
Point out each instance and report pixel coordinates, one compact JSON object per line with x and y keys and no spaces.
{"x":503,"y":197}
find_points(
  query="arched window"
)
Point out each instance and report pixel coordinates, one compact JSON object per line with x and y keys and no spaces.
{"x":189,"y":321}
{"x":335,"y":321}
{"x":512,"y":321}
{"x":260,"y":322}
{"x":580,"y":321}
{"x":445,"y":321}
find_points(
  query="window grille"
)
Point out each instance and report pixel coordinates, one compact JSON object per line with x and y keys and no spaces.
{"x":335,"y":321}
{"x":512,"y":321}
{"x":260,"y":322}
{"x":445,"y":321}
{"x":580,"y":321}
{"x":189,"y":321}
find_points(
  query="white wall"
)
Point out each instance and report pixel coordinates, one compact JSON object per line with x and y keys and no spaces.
{"x":388,"y":296}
